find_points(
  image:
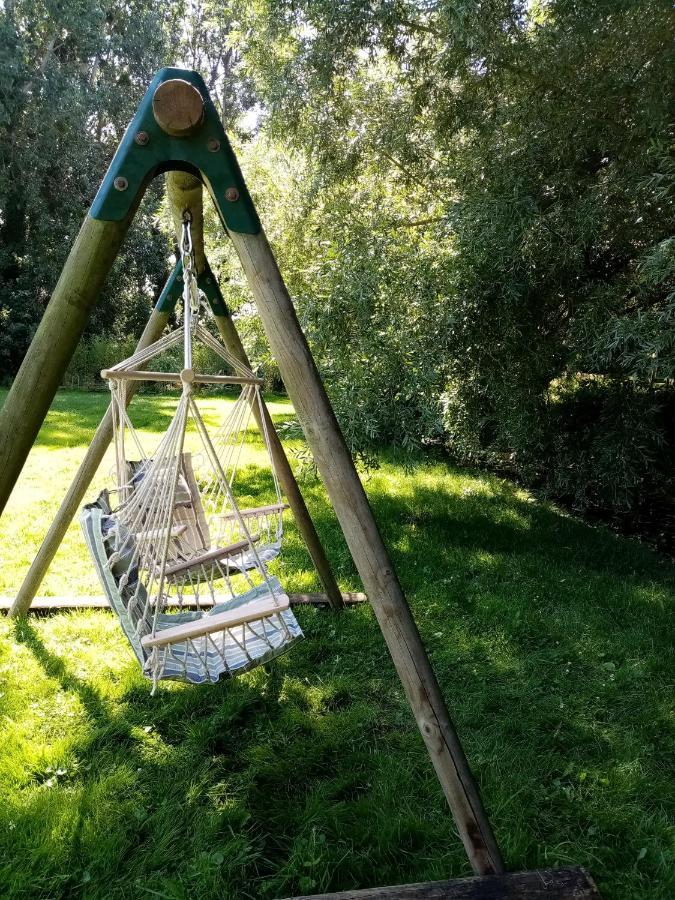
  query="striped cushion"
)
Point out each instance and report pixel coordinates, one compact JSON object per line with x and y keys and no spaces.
{"x":207,"y":658}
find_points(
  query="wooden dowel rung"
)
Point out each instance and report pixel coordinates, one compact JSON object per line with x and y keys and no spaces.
{"x":252,"y":511}
{"x":211,"y":556}
{"x":257,"y":609}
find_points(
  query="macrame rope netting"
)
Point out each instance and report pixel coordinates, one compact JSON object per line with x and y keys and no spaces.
{"x":143,"y":529}
{"x":176,"y":532}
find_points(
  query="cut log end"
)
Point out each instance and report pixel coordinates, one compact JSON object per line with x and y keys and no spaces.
{"x":178,"y":107}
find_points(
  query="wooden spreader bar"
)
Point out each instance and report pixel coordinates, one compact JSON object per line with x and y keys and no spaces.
{"x":251,"y":612}
{"x":209,"y":557}
{"x":141,"y":375}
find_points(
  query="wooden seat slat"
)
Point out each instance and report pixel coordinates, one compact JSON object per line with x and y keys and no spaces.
{"x":257,"y":609}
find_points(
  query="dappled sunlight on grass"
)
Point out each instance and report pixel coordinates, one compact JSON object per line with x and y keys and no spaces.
{"x":53,"y":463}
{"x":552,"y":644}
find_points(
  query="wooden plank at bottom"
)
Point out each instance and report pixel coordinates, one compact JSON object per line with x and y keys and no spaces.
{"x":349,"y":598}
{"x":47,"y":604}
{"x":541,"y":884}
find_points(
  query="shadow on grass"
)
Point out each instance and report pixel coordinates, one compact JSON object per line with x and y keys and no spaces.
{"x":141,"y":764}
{"x":550,"y":641}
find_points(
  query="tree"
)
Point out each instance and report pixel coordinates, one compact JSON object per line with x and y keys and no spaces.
{"x":71,"y":75}
{"x":531,"y":140}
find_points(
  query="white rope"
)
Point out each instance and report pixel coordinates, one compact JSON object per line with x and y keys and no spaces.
{"x":146,"y":535}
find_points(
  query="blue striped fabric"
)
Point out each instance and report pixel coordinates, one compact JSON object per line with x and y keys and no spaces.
{"x":209,"y":657}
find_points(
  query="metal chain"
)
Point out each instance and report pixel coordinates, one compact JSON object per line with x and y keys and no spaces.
{"x":190,"y":288}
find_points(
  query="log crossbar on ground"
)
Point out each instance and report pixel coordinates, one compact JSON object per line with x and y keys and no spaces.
{"x":541,"y":884}
{"x":52,"y":604}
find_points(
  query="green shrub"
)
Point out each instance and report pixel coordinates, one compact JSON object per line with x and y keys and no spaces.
{"x":594,"y":442}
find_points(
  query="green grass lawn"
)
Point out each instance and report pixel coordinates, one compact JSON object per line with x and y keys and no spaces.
{"x":552,"y":642}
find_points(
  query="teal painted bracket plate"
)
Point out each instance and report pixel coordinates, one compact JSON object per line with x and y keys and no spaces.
{"x":206,"y":282}
{"x":138,"y":163}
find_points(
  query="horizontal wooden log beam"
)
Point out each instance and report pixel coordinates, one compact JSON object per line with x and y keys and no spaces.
{"x":541,"y":884}
{"x":349,"y":598}
{"x":178,"y":107}
{"x":54,"y":604}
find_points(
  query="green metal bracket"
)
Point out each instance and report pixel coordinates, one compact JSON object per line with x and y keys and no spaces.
{"x":146,"y":151}
{"x":206,"y":281}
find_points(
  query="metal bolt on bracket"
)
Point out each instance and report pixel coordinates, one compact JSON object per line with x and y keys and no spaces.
{"x":120,"y":183}
{"x":142,"y":138}
{"x":231,"y":194}
{"x":213,"y":145}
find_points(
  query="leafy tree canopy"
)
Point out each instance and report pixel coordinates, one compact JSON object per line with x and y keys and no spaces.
{"x":516,"y":155}
{"x":471,"y":201}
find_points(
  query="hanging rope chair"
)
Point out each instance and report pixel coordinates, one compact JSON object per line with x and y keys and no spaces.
{"x":175,"y":536}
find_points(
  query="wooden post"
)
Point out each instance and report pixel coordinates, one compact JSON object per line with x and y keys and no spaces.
{"x":73,"y":499}
{"x":184,"y":192}
{"x":296,"y":501}
{"x":349,"y":500}
{"x":51,"y":349}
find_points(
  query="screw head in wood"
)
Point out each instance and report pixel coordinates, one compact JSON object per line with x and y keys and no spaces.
{"x":120,"y":183}
{"x":232,"y":194}
{"x":141,"y":138}
{"x":178,"y":107}
{"x":213,"y":145}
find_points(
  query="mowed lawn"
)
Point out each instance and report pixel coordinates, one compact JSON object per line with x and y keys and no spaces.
{"x":552,"y":641}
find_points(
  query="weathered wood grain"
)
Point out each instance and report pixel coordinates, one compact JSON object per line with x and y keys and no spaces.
{"x":184,"y":192}
{"x":541,"y":884}
{"x":311,"y":403}
{"x":178,"y":107}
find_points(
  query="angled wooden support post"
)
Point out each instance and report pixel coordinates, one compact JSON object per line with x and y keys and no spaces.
{"x":58,"y":333}
{"x":349,"y":500}
{"x":185,"y":193}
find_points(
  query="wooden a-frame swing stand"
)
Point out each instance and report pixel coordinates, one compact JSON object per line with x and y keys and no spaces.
{"x":176,"y":129}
